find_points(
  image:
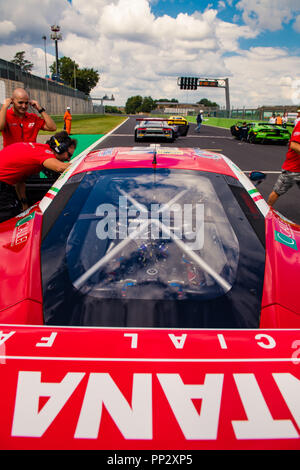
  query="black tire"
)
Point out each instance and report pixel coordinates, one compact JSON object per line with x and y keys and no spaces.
{"x":185,"y":131}
{"x":173,"y":137}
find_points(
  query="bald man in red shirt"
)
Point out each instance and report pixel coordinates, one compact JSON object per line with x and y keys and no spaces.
{"x":17,"y":125}
{"x":20,"y":160}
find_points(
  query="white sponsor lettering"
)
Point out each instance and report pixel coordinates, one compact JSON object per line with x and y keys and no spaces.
{"x":4,"y":336}
{"x":134,"y":339}
{"x":47,"y":341}
{"x":296,"y":354}
{"x":222,"y":341}
{"x":134,"y":416}
{"x":289,"y":387}
{"x":264,"y":341}
{"x":180,"y":396}
{"x":270,"y":344}
{"x":134,"y":422}
{"x":178,"y":341}
{"x":260,"y":423}
{"x":28,"y":420}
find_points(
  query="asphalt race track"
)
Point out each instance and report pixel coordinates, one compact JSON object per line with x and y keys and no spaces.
{"x":267,"y":158}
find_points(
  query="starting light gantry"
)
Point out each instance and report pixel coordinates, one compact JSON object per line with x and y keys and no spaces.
{"x":192,"y":83}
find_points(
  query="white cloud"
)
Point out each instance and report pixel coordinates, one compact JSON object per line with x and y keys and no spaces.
{"x":6,"y":28}
{"x":297,"y":24}
{"x":138,"y":53}
{"x":263,"y":76}
{"x":268,"y":14}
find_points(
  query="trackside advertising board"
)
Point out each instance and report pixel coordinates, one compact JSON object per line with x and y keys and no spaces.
{"x":143,"y":389}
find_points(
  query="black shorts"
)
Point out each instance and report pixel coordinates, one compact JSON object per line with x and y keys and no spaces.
{"x":9,"y":202}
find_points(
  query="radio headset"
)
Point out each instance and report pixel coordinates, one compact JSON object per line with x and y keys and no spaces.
{"x":59,"y":147}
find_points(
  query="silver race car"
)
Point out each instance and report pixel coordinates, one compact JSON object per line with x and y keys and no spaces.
{"x":154,"y":129}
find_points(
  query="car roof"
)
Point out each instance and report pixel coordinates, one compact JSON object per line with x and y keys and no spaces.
{"x":194,"y":159}
{"x":166,"y":157}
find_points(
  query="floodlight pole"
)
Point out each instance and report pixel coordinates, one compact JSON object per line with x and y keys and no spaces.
{"x":56,"y":37}
{"x":46,"y":69}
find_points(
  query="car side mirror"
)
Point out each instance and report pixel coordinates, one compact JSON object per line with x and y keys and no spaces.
{"x":257,"y":177}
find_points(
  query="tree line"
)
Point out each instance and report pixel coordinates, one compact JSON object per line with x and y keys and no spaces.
{"x":83,"y":79}
{"x":138,"y":104}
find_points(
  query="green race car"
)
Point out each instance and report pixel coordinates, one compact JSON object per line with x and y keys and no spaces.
{"x":261,"y":132}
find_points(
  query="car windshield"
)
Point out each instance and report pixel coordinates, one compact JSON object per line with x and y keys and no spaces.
{"x":152,"y":248}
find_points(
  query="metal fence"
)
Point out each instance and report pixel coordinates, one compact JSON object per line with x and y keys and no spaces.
{"x":12,"y":71}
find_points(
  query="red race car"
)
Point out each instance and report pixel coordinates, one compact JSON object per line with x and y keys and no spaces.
{"x":150,"y":302}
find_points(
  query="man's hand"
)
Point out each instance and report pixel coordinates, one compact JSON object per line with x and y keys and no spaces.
{"x":49,"y":124}
{"x":56,"y":165}
{"x":7,"y":102}
{"x":35,"y":104}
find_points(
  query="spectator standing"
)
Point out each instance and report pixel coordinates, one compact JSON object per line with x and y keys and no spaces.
{"x":199,"y":120}
{"x":278,"y":120}
{"x":290,"y":169}
{"x":17,"y":125}
{"x":272,"y":119}
{"x":284,"y":119}
{"x":298,"y":117}
{"x":244,"y":132}
{"x":20,"y":160}
{"x":68,"y":120}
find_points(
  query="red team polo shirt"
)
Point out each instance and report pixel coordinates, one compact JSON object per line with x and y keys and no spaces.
{"x":20,"y":160}
{"x":292,"y":160}
{"x":21,"y":129}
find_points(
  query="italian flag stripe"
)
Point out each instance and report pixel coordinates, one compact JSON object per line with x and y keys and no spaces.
{"x":50,"y":196}
{"x":257,"y":198}
{"x":55,"y":190}
{"x":52,"y":192}
{"x":253,"y":191}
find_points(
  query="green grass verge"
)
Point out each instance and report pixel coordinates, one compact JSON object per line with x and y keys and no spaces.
{"x":89,"y":123}
{"x":227,"y":122}
{"x":217,"y":122}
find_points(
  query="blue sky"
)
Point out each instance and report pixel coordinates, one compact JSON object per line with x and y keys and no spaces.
{"x":140,"y":47}
{"x":286,"y":36}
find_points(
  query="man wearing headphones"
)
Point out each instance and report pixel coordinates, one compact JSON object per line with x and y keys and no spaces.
{"x":19,"y":161}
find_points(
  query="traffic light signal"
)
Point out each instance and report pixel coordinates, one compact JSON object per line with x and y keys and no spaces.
{"x":188,"y":83}
{"x":194,"y":83}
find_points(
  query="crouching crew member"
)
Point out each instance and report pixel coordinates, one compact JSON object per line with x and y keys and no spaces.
{"x":21,"y":160}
